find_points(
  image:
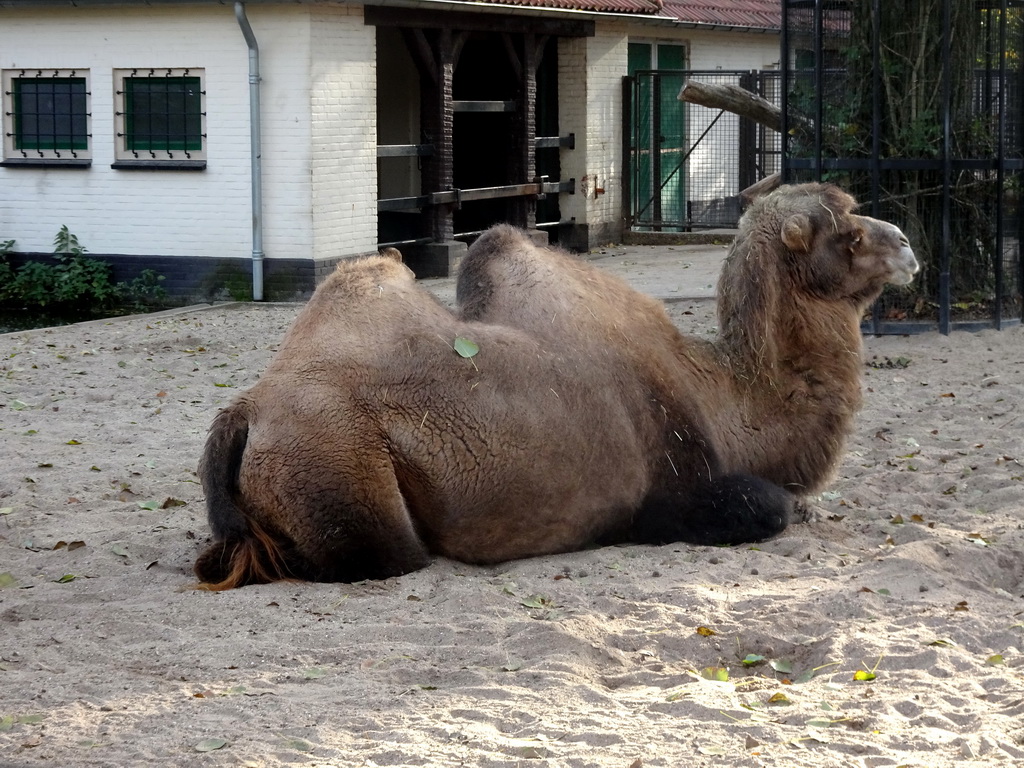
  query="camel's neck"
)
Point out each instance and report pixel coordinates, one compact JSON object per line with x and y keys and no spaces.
{"x":798,"y":386}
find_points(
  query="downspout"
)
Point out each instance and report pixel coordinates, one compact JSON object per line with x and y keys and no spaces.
{"x":255,"y":151}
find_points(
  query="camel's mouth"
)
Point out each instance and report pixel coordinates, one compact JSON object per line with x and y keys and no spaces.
{"x":903,"y":265}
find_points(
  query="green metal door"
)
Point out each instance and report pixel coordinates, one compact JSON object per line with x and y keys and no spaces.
{"x":657,"y":135}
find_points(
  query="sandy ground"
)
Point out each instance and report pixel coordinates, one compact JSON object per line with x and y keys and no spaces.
{"x":911,"y":571}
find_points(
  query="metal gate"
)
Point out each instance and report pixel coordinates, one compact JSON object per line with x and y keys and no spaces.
{"x":686,"y":164}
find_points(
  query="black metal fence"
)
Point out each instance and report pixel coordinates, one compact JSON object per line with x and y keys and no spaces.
{"x":916,"y":109}
{"x":686,"y":164}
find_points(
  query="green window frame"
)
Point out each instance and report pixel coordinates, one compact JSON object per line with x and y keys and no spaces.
{"x":47,"y":117}
{"x":160,"y":116}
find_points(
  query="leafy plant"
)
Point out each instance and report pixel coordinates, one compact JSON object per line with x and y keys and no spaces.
{"x":67,"y":243}
{"x":75,"y":284}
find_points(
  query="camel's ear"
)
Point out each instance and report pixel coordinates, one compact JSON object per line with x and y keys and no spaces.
{"x":391,"y":253}
{"x":797,"y":233}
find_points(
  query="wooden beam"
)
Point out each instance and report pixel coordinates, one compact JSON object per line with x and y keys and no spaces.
{"x":411,"y":18}
{"x":422,"y":52}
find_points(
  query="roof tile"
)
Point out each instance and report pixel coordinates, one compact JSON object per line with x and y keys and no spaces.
{"x":754,"y":14}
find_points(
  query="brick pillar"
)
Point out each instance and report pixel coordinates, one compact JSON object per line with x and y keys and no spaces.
{"x":437,"y":118}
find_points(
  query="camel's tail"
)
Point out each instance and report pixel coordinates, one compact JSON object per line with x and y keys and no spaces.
{"x":243,"y":552}
{"x":733,"y":509}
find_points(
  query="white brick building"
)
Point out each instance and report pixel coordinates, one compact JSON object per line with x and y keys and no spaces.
{"x":180,"y":198}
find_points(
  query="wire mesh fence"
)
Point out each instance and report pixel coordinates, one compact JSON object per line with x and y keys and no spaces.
{"x":686,"y":163}
{"x":916,"y":110}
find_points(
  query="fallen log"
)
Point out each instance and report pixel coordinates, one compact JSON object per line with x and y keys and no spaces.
{"x":740,"y":102}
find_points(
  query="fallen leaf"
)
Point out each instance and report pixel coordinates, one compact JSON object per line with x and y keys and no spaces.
{"x":209,"y":745}
{"x":535,"y":601}
{"x":995,"y":660}
{"x":298,"y":745}
{"x":779,"y":700}
{"x":863,"y":674}
{"x":806,"y":676}
{"x":150,"y":505}
{"x":717,"y":674}
{"x":72,"y":546}
{"x":7,"y":579}
{"x":705,"y":632}
{"x":713,"y":750}
{"x":465,"y":347}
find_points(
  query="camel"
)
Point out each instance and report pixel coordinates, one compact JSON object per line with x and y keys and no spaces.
{"x":557,"y":409}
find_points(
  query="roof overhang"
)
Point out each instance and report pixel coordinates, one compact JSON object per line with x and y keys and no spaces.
{"x":660,"y":19}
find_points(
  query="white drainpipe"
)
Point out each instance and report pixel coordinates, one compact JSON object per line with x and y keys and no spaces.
{"x":256,"y":152}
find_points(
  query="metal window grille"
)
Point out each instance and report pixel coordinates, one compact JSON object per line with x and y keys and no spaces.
{"x":49,"y":114}
{"x":162,"y":114}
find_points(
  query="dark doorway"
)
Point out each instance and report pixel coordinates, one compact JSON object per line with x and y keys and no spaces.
{"x":484,"y":91}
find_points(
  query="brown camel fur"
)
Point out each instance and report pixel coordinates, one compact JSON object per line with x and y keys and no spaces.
{"x":773,"y":398}
{"x":370,"y":443}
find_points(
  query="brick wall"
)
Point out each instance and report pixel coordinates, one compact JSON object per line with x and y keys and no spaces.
{"x":190,"y":212}
{"x":319,"y":133}
{"x":590,"y":91}
{"x":344,"y":132}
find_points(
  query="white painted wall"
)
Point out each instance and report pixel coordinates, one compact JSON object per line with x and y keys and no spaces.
{"x":344,"y":132}
{"x":590,"y":93}
{"x":319,"y":127}
{"x":319,"y":132}
{"x":731,"y":50}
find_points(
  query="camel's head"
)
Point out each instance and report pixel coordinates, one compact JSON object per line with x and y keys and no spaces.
{"x":832,"y":253}
{"x":802,"y":247}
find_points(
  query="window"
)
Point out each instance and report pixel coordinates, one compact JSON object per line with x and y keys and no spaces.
{"x":46,"y":117}
{"x":160,"y":118}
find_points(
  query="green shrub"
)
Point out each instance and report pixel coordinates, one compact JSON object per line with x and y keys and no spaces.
{"x":76,"y":284}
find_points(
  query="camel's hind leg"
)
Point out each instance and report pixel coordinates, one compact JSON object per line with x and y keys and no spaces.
{"x":732,"y":509}
{"x":349,"y":524}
